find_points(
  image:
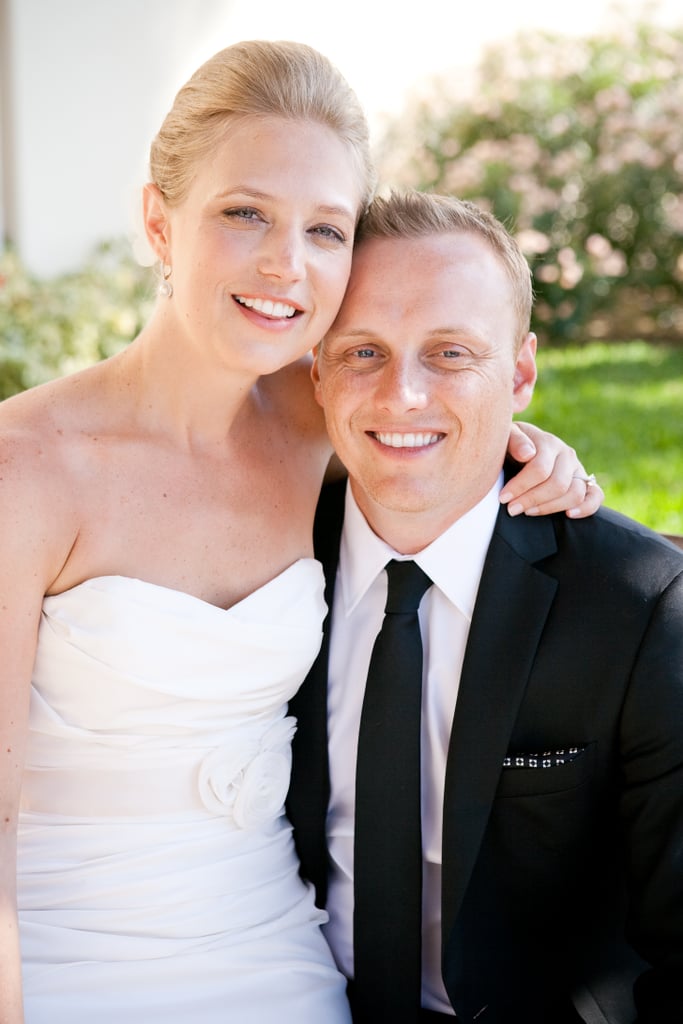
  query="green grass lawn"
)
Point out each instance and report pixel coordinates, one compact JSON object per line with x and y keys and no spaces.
{"x":621,"y":407}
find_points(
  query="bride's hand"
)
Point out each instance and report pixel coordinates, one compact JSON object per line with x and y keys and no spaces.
{"x":552,"y":480}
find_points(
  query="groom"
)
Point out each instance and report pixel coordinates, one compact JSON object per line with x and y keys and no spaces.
{"x":551,"y":822}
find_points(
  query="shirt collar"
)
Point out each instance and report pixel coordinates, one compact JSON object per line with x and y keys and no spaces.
{"x":454,"y":561}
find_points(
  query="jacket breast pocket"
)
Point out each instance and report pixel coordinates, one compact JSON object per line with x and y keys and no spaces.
{"x":539,"y":774}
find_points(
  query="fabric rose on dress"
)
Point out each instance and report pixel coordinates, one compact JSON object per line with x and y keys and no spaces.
{"x":220,"y":775}
{"x":249,"y":780}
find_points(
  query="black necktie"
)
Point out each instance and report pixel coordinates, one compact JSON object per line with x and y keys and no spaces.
{"x":387,"y":920}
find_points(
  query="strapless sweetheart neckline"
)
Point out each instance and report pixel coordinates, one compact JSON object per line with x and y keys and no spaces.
{"x":136,"y":581}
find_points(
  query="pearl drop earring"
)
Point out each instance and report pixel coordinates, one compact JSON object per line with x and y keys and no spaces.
{"x":165,"y":287}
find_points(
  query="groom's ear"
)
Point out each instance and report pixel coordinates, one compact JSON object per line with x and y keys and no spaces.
{"x":525,"y":373}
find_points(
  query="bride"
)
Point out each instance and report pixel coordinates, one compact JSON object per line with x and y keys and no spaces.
{"x":159,"y":603}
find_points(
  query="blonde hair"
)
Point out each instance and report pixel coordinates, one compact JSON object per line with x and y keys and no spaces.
{"x":251,"y":79}
{"x":413,"y":214}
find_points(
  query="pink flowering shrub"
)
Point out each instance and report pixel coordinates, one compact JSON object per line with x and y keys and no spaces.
{"x":578,"y":146}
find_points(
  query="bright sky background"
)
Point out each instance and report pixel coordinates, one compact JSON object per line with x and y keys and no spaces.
{"x":387,"y":47}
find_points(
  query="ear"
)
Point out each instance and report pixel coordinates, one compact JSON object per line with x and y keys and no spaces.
{"x":156,"y":221}
{"x":315,"y":375}
{"x":525,"y":374}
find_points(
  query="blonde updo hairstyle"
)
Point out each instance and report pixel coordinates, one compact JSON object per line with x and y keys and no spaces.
{"x":251,"y":79}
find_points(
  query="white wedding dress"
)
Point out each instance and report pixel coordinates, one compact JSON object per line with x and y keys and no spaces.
{"x":157,"y":878}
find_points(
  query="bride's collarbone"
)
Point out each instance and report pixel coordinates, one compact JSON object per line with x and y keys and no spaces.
{"x":196,"y":521}
{"x":196,"y":507}
{"x":218,"y":562}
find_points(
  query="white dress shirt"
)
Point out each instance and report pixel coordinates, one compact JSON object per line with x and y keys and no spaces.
{"x":453,"y":562}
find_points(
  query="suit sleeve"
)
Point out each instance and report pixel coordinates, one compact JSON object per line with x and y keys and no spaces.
{"x":652,"y":809}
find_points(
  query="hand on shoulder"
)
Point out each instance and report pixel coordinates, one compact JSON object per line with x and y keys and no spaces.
{"x":552,"y":479}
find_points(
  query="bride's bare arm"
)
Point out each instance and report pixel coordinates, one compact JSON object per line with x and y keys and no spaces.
{"x":29,"y":522}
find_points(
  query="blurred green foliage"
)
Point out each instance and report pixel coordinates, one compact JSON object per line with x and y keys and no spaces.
{"x":619,"y":405}
{"x":577,"y":145}
{"x":49,"y":327}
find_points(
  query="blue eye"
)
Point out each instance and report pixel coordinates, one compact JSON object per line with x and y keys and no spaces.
{"x":328,"y":232}
{"x":243,"y":213}
{"x":364,"y":353}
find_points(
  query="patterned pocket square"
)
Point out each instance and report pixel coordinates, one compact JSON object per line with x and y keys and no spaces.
{"x":546,"y":759}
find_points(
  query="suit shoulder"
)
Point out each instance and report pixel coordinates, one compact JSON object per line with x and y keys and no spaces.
{"x":616,"y":531}
{"x":619,"y":546}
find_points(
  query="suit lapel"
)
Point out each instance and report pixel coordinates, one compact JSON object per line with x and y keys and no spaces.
{"x":512,"y":604}
{"x":309,"y":791}
{"x":511,"y":608}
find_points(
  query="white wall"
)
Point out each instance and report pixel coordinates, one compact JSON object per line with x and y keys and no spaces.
{"x":91,"y":82}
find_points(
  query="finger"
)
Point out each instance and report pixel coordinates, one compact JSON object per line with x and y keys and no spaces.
{"x":592,"y":501}
{"x":548,"y":477}
{"x":590,"y":498}
{"x":521,"y":446}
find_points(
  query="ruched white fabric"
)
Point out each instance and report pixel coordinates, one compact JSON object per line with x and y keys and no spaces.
{"x":157,"y":878}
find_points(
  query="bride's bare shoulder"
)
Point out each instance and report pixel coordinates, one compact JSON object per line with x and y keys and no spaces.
{"x":39,"y":496}
{"x":39,"y":427}
{"x":57,"y":404}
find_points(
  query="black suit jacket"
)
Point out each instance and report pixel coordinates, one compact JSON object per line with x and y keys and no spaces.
{"x":565,"y":880}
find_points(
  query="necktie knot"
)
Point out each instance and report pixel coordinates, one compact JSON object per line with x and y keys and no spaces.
{"x":407,"y":584}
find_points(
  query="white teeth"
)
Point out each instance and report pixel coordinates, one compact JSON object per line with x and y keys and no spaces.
{"x":267,"y":306}
{"x":407,"y":440}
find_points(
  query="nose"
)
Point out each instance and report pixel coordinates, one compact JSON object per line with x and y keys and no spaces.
{"x":282,"y":254}
{"x":401,"y":385}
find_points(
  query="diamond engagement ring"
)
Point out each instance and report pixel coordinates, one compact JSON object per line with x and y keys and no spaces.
{"x":588,"y":480}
